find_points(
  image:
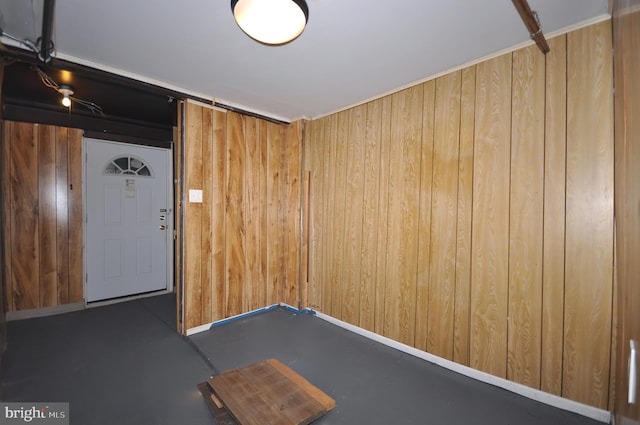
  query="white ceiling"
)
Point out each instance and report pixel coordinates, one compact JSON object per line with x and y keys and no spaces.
{"x":351,"y":50}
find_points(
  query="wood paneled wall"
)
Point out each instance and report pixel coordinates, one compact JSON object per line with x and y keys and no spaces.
{"x":471,"y":216}
{"x":42,"y":224}
{"x":242,"y":243}
{"x":626,"y":26}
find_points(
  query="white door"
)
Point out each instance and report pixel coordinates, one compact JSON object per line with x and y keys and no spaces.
{"x":128,"y":222}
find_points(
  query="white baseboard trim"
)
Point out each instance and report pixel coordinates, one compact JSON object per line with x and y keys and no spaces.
{"x":537,"y":395}
{"x":44,"y":311}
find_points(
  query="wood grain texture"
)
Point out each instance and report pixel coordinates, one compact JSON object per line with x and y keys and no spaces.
{"x":461,"y":323}
{"x":554,"y":217}
{"x":490,"y":238}
{"x":24,"y":288}
{"x":5,"y":196}
{"x":314,"y":163}
{"x":353,"y":227}
{"x":526,"y":217}
{"x":404,"y":184}
{"x":444,"y":215}
{"x":424,"y":216}
{"x":235,"y":214}
{"x":74,"y":195}
{"x":339,"y":211}
{"x":178,"y":204}
{"x":206,"y":225}
{"x":626,"y":43}
{"x":62,"y":214}
{"x":47,"y":222}
{"x":370,"y":210}
{"x":292,"y":167}
{"x":589,"y":228}
{"x":251,"y":208}
{"x":192,"y":217}
{"x":218,"y":217}
{"x":275,"y":239}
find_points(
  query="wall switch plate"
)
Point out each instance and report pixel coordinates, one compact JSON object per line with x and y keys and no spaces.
{"x":195,"y":196}
{"x":633,"y":371}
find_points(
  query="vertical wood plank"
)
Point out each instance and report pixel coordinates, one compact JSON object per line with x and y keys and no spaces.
{"x":252,"y":214}
{"x":526,"y":217}
{"x":386,"y":147}
{"x":316,"y":161}
{"x":465,"y":193}
{"x":47,"y":216}
{"x":444,"y":216}
{"x":554,"y":217}
{"x":62,"y":214}
{"x":218,"y":226}
{"x":206,"y":229}
{"x":354,"y":196}
{"x":7,"y":196}
{"x":339,"y":212}
{"x":404,"y":184}
{"x":490,"y":238}
{"x":24,"y":208}
{"x":423,"y":277}
{"x":274,"y":237}
{"x":235,"y":215}
{"x":291,"y":163}
{"x":193,"y":217}
{"x":178,"y":195}
{"x":76,"y":217}
{"x":589,"y":228}
{"x":370,"y":208}
{"x":263,"y":134}
{"x":329,"y":212}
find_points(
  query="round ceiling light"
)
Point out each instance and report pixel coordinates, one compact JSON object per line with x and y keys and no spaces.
{"x":271,"y":22}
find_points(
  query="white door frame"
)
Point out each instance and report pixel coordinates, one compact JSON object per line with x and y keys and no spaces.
{"x":170,"y":234}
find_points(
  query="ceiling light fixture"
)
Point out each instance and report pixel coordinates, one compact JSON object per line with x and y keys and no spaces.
{"x":66,"y":92}
{"x":272,"y":22}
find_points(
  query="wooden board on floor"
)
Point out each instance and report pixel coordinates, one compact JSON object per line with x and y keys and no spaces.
{"x":269,"y":392}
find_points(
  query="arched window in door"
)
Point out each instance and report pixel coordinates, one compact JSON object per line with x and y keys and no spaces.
{"x":128,"y":165}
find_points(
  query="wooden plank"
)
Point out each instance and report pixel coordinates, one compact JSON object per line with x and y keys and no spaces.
{"x":218,"y":199}
{"x":76,"y":217}
{"x":269,"y":392}
{"x":234,"y":216}
{"x":463,"y":243}
{"x":291,"y":164}
{"x":47,"y":222}
{"x":354,"y":192}
{"x":338,"y":217}
{"x":444,"y":215}
{"x":329,"y":184}
{"x":424,"y":216}
{"x":386,"y":147}
{"x":404,"y":184}
{"x":62,"y":214}
{"x":192,"y":217}
{"x":526,"y":217}
{"x":252,"y":214}
{"x":327,"y":402}
{"x":178,"y":196}
{"x":554,"y":217}
{"x":263,"y":219}
{"x":24,"y":288}
{"x":6,"y":196}
{"x":206,"y":225}
{"x":370,"y":209}
{"x":274,"y":231}
{"x":626,"y":44}
{"x":589,"y":225}
{"x":316,"y":164}
{"x":490,"y":238}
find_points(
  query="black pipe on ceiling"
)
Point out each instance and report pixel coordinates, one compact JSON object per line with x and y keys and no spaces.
{"x":46,"y":43}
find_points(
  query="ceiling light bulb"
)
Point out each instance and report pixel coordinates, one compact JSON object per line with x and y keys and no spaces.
{"x":66,"y":92}
{"x":271,"y":22}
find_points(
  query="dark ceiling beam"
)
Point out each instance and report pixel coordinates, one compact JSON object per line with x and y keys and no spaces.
{"x":530,"y":19}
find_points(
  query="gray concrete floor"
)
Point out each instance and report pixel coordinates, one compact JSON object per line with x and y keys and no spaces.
{"x":124,"y":364}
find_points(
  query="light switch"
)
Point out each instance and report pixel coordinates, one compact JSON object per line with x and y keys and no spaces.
{"x":195,"y":196}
